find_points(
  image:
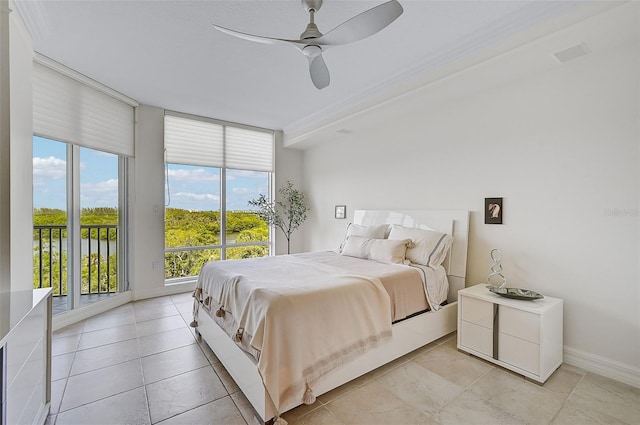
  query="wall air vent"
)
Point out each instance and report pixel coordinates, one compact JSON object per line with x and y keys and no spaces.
{"x":571,"y":53}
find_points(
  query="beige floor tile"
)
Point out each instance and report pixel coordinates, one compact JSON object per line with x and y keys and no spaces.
{"x":162,"y":324}
{"x":151,"y":302}
{"x":208,"y":352}
{"x":182,"y":298}
{"x":104,"y":355}
{"x":129,"y":407}
{"x":300,"y":411}
{"x":564,"y":380}
{"x":98,"y":384}
{"x":222,"y":411}
{"x":247,"y":411}
{"x":419,"y":387}
{"x":151,"y":312}
{"x":65,"y":344}
{"x":108,"y":320}
{"x":343,"y":389}
{"x":181,"y":393}
{"x":372,"y":404}
{"x":469,"y":409}
{"x":74,"y":329}
{"x":156,"y":343}
{"x":574,"y":414}
{"x":61,"y":366}
{"x":57,"y":391}
{"x":107,"y":336}
{"x":319,"y":416}
{"x":228,"y":382}
{"x":173,"y":362}
{"x":452,"y":365}
{"x":524,"y":400}
{"x":597,"y":394}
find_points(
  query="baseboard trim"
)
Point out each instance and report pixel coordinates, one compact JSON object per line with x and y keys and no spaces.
{"x":74,"y":316}
{"x":43,"y":413}
{"x":173,"y":289}
{"x":602,"y":366}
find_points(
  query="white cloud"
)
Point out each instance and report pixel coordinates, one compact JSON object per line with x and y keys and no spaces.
{"x":196,"y":196}
{"x":103,"y":193}
{"x":50,"y":168}
{"x":198,"y":175}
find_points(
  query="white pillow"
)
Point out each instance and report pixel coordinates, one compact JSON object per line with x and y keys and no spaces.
{"x":381,"y":250}
{"x":372,"y":232}
{"x":430,"y":247}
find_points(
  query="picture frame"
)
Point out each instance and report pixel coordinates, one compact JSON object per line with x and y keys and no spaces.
{"x":341,"y":211}
{"x":493,"y":210}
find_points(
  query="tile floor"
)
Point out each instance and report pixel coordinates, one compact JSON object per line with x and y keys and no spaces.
{"x":140,"y":364}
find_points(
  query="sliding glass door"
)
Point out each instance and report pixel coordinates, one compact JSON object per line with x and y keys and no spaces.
{"x":78,"y":231}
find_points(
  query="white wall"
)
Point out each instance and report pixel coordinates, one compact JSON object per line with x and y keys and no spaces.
{"x":561,"y":146}
{"x":16,"y":225}
{"x":288,"y":166}
{"x":146,"y":202}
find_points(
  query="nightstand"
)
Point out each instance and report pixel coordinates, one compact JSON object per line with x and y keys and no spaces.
{"x":520,"y":335}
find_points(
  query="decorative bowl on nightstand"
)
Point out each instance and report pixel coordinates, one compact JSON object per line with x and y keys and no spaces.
{"x":515,"y":293}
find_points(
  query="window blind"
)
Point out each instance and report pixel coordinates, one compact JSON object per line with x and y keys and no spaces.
{"x":192,"y":141}
{"x":68,"y":110}
{"x":248,"y":149}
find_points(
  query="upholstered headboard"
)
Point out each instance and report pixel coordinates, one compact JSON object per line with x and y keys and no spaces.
{"x":452,"y":222}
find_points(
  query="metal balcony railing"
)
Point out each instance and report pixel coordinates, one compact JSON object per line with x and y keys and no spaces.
{"x":98,"y":255}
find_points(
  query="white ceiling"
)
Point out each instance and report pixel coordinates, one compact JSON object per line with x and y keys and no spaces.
{"x":166,"y":53}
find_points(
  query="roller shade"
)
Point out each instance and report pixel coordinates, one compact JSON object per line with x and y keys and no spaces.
{"x":68,"y":110}
{"x":248,"y":149}
{"x":192,"y":141}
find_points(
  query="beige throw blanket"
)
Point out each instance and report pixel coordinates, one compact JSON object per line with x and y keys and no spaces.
{"x":302,"y":317}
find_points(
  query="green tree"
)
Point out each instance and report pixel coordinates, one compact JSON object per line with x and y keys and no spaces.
{"x":287,"y":215}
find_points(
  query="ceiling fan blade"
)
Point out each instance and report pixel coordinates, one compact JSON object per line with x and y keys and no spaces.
{"x":319,"y":72}
{"x":299,"y":44}
{"x":363,"y":25}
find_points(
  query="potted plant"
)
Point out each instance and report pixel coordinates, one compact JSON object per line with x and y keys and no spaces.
{"x":287,"y":214}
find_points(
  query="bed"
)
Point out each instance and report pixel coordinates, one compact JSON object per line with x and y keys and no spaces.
{"x":290,"y":328}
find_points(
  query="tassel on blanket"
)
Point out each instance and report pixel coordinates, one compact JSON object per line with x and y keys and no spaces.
{"x":195,"y":311}
{"x":197,"y":293}
{"x":220,"y":312}
{"x":308,"y":397}
{"x":237,"y":337}
{"x":280,"y":421}
{"x":207,"y":301}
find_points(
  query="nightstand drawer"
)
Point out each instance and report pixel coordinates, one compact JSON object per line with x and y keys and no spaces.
{"x":476,"y":338}
{"x":520,"y":324}
{"x":478,"y":312}
{"x":519,"y":353}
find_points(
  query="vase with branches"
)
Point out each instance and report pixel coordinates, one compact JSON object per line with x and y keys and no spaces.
{"x":286,"y":214}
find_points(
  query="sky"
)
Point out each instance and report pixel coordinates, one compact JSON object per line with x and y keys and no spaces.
{"x":189,"y":187}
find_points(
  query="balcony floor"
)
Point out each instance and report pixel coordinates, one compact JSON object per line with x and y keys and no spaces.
{"x":60,"y":302}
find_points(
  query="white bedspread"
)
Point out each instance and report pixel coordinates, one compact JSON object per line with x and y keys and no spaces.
{"x":303,"y":317}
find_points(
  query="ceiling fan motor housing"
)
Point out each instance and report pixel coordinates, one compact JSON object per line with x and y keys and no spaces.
{"x":310,"y":5}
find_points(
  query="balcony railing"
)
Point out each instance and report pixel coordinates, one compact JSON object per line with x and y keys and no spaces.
{"x":98,"y":253}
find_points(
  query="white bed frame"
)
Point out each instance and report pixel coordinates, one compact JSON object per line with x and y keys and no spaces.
{"x":408,"y":334}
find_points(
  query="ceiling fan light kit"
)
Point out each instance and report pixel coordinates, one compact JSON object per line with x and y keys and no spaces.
{"x":312,"y":43}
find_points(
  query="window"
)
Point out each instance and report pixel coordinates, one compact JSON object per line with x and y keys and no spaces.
{"x":83,"y":137}
{"x":89,"y":264}
{"x":212,"y":170}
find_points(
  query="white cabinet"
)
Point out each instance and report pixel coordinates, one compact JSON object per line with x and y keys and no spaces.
{"x":523,"y":336}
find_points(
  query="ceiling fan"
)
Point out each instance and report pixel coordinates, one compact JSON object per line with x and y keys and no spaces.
{"x":312,"y":42}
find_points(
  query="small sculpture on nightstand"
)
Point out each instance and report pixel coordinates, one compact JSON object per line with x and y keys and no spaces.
{"x":498,"y":278}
